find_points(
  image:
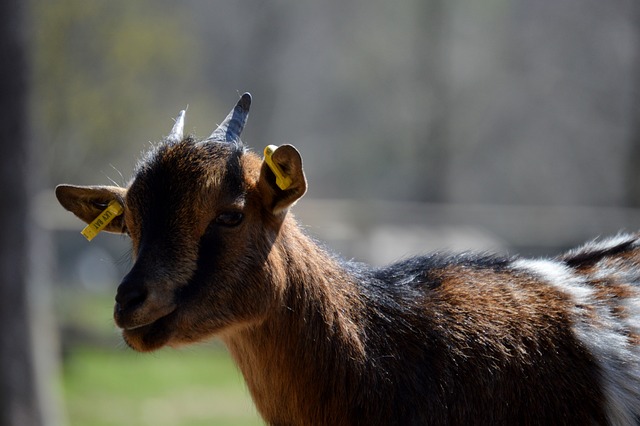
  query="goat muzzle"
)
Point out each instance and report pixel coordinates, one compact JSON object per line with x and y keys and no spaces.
{"x":137,"y":305}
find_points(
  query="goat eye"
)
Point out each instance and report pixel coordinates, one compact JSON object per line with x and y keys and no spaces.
{"x":229,"y":219}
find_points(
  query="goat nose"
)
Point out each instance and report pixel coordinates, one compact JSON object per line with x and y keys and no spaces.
{"x":130,"y":296}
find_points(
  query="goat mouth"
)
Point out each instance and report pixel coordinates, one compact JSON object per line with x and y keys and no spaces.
{"x":147,"y":325}
{"x":140,"y":316}
{"x":138,"y":327}
{"x":150,"y":336}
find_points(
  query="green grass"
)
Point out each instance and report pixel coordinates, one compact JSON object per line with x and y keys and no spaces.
{"x":193,"y":387}
{"x":107,"y":384}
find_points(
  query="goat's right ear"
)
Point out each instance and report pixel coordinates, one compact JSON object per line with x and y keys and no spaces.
{"x":87,"y":202}
{"x":282,"y":181}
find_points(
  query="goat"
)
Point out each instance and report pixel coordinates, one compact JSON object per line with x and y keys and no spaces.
{"x":467,"y":339}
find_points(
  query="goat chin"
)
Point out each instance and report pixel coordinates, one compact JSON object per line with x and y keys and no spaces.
{"x":149,"y":337}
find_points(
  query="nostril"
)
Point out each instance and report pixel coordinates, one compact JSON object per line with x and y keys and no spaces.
{"x":128,"y":298}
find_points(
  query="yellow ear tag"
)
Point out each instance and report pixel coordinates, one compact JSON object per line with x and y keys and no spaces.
{"x":99,"y":223}
{"x":282,"y":180}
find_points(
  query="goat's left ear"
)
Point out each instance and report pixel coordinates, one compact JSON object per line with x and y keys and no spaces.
{"x":282,"y":181}
{"x":87,"y":202}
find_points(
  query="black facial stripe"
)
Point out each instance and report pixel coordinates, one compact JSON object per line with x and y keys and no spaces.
{"x":210,"y":248}
{"x":153,"y":201}
{"x":169,"y":181}
{"x":234,"y":182}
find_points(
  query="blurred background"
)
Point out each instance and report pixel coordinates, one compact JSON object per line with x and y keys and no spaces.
{"x":502,"y":125}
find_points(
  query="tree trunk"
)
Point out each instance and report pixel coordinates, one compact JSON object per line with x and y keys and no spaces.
{"x":19,"y":396}
{"x":432,"y":103}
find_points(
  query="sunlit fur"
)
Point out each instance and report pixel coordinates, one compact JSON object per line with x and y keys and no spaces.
{"x":433,"y":340}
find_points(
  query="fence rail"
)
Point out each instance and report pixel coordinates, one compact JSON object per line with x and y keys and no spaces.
{"x":379,"y":231}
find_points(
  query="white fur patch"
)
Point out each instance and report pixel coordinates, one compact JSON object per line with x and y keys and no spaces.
{"x":604,"y":337}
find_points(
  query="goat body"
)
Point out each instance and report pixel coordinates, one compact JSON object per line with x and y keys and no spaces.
{"x":440,"y":339}
{"x":450,"y":340}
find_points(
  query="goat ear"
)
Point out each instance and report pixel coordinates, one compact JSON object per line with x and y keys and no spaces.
{"x":282,"y":181}
{"x":87,"y":202}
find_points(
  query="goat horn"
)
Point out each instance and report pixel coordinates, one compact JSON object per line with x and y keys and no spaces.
{"x":231,"y":127}
{"x":177,"y":132}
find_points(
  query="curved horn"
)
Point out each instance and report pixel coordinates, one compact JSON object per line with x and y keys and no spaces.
{"x":177,"y":132}
{"x":231,"y":127}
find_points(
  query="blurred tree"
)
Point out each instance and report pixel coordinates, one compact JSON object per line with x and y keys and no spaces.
{"x":633,"y":161}
{"x":430,"y":133}
{"x":243,"y":54}
{"x":103,"y":72}
{"x":19,"y":404}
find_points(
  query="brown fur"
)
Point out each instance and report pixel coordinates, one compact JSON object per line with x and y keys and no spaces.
{"x":473,"y":320}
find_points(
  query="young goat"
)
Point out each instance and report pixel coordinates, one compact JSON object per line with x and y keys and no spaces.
{"x":433,"y":340}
